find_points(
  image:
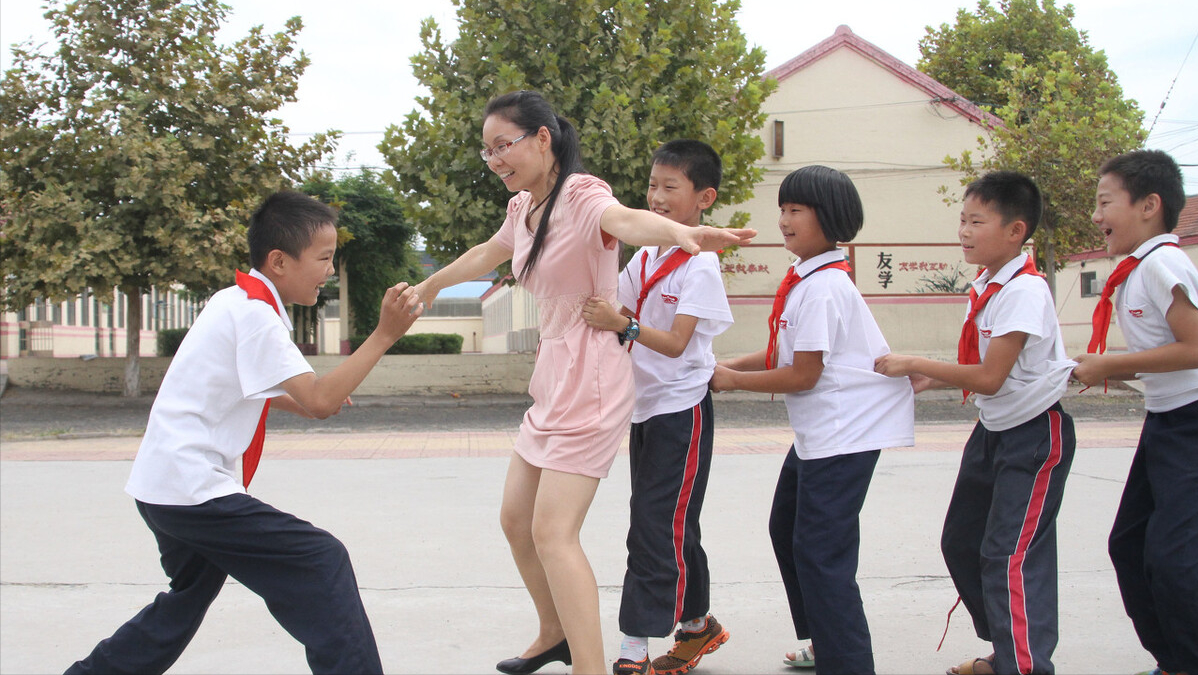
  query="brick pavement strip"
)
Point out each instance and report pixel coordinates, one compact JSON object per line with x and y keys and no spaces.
{"x":404,"y":445}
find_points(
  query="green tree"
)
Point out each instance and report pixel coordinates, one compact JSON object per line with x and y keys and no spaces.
{"x":968,"y":56}
{"x":132,"y":155}
{"x":1061,"y":109}
{"x":377,"y":251}
{"x":629,"y":75}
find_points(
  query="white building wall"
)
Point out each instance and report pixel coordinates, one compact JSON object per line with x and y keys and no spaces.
{"x":847,"y":111}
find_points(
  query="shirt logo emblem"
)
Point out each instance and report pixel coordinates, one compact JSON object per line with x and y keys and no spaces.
{"x":783,"y":323}
{"x":984,"y":333}
{"x":1136,"y":312}
{"x":669,"y":299}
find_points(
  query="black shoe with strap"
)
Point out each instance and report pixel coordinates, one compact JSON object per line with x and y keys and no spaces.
{"x":520,"y":666}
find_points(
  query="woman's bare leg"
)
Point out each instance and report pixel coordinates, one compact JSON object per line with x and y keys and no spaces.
{"x":516,"y":517}
{"x":561,"y":505}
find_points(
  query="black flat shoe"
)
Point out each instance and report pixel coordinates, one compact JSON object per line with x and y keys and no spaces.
{"x":517,"y":666}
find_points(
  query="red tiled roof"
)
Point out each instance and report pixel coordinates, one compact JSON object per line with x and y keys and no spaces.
{"x":1186,"y":231}
{"x":1187,"y":220}
{"x":845,"y":37}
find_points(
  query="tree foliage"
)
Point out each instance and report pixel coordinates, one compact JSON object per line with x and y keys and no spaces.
{"x":378,"y":250}
{"x":629,"y":75}
{"x":968,"y":56}
{"x":1062,"y":110}
{"x":133,"y":153}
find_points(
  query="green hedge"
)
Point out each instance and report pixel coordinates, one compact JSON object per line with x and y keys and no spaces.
{"x":420,"y":343}
{"x":169,"y":340}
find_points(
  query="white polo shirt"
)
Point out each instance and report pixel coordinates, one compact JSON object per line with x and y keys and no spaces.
{"x":1041,"y":372}
{"x":851,"y":408}
{"x":695,"y":288}
{"x":234,"y":357}
{"x":1141,"y":303}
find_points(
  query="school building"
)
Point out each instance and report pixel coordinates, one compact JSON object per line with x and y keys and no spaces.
{"x":92,"y":324}
{"x":847,"y":104}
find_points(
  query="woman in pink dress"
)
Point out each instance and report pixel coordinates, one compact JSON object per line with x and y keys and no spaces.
{"x":562,"y":234}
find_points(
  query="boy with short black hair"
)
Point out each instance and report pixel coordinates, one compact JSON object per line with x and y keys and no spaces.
{"x":1154,"y":541}
{"x":237,"y":359}
{"x":999,"y":538}
{"x":673,"y":306}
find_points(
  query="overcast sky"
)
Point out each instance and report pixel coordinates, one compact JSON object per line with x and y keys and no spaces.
{"x":360,"y":80}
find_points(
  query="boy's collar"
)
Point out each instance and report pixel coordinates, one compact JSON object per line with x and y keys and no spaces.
{"x":1004,"y":274}
{"x":658,"y":254}
{"x":283,"y":314}
{"x":1166,"y":238}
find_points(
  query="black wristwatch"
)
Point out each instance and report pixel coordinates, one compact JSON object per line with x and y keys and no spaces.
{"x":631,"y":332}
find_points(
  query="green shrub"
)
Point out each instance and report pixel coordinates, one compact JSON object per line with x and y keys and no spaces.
{"x":169,"y":340}
{"x":420,"y":343}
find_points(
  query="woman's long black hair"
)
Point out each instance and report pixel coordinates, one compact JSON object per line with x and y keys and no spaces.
{"x":530,"y":111}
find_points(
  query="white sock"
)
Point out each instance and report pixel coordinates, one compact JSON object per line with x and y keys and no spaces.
{"x":695,"y":625}
{"x":634,"y":648}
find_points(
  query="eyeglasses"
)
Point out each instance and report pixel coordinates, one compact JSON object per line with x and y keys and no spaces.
{"x":500,"y":150}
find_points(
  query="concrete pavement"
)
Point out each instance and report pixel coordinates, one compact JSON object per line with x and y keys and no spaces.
{"x":418,"y":512}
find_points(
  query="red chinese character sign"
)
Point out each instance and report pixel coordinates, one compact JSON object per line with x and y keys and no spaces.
{"x":754,"y":270}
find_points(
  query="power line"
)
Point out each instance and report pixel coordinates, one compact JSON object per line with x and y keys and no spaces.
{"x":1166,"y":99}
{"x":892,"y":104}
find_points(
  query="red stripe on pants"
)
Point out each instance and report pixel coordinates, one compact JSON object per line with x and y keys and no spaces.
{"x":1031,"y":520}
{"x":680,"y":509}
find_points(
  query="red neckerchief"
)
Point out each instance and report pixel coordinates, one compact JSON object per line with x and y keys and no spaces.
{"x":1102,"y":312}
{"x":791,"y":279}
{"x":676,"y":260}
{"x":967,"y":347}
{"x":255,"y":289}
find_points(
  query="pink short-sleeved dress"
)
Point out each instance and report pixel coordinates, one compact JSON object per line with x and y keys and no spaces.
{"x":582,"y":387}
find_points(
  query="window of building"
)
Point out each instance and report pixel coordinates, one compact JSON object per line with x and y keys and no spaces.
{"x":779,"y":144}
{"x":1090,"y":285}
{"x":455,"y":307}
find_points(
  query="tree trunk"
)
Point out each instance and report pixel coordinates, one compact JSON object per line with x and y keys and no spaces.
{"x":133,"y":341}
{"x":1049,"y":226}
{"x":1050,"y":261}
{"x":343,"y":306}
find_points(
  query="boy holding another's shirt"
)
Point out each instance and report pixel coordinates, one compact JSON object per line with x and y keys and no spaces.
{"x":999,"y":540}
{"x":673,"y":305}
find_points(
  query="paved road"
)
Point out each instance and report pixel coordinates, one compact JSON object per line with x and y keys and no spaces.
{"x":413,"y":489}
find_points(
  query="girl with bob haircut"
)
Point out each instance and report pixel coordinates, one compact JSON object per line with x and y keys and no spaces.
{"x":821,"y":351}
{"x":562,"y":233}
